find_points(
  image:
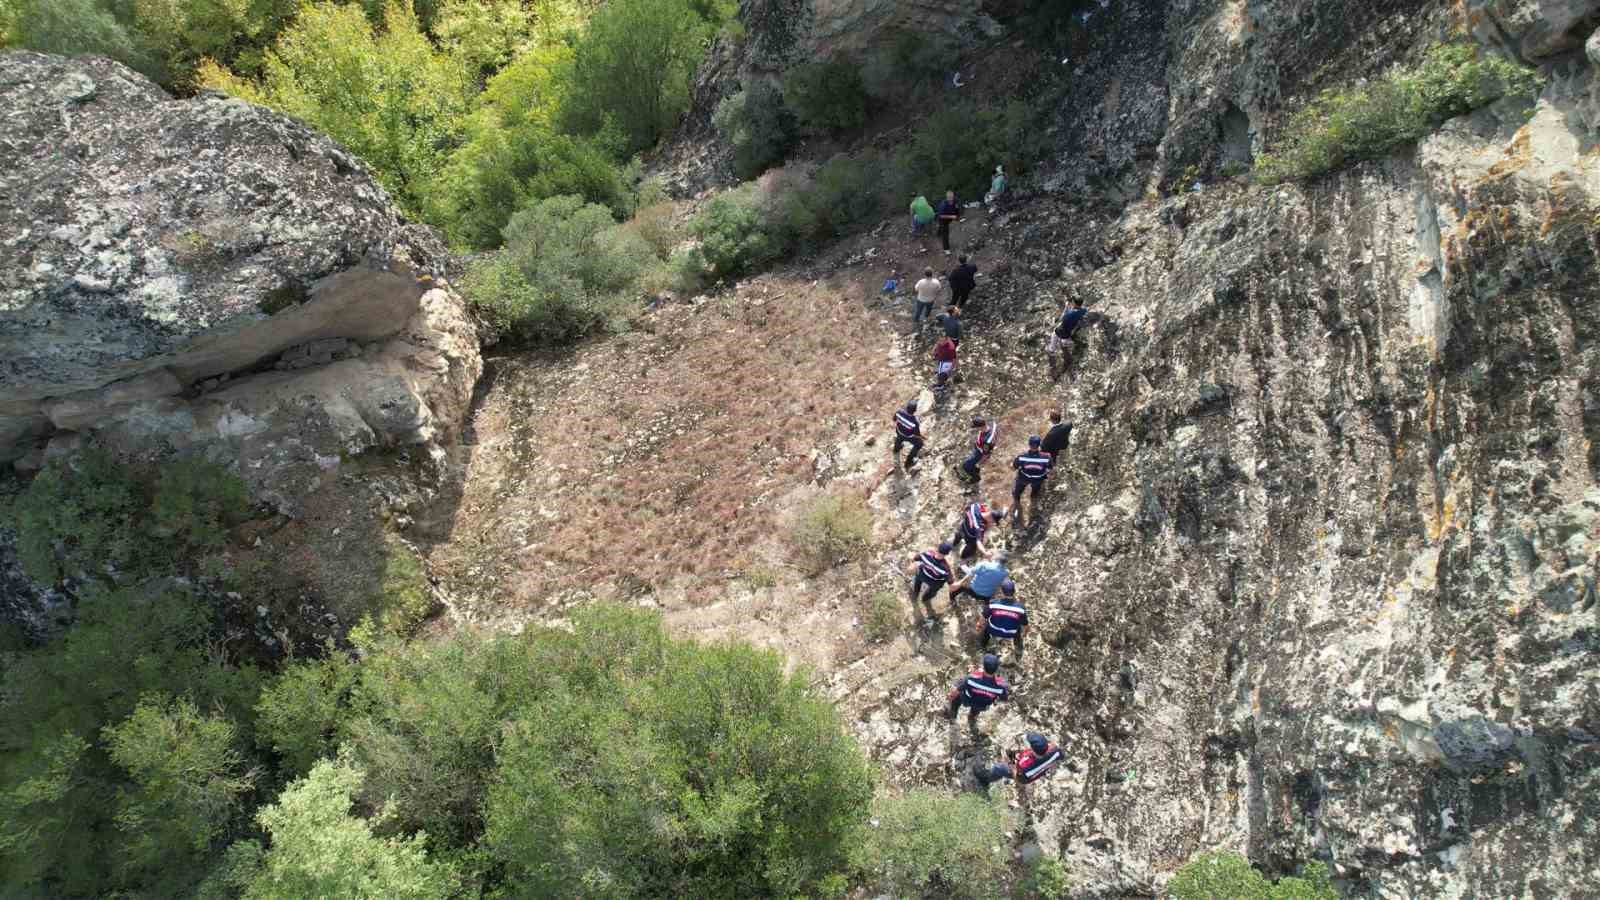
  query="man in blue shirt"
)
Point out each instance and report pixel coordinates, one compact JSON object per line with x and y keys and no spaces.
{"x":978,"y":690}
{"x":984,"y":580}
{"x":1059,"y":347}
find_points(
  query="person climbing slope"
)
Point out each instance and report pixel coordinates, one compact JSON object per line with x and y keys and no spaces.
{"x":985,"y":433}
{"x":1059,"y":347}
{"x":928,"y":290}
{"x":975,"y":522}
{"x":1004,"y":617}
{"x":944,"y":366}
{"x":1032,"y":468}
{"x":922,"y":215}
{"x":931,"y":572}
{"x":963,"y":279}
{"x":951,"y":320}
{"x":978,"y":690}
{"x":949,"y":211}
{"x":1039,"y":759}
{"x":907,"y":430}
{"x":1058,"y":438}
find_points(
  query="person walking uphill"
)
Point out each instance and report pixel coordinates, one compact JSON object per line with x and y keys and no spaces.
{"x":1038,"y":760}
{"x":1004,"y":617}
{"x":944,"y":366}
{"x":932,"y":572}
{"x":974,"y":523}
{"x":949,"y":211}
{"x":978,"y":690}
{"x":951,"y":320}
{"x":922,"y":215}
{"x":1059,"y":347}
{"x":907,"y":430}
{"x":985,"y":434}
{"x":928,"y":290}
{"x":1058,"y":438}
{"x":963,"y":279}
{"x":1032,"y":468}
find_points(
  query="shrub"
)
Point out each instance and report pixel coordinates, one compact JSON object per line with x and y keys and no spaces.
{"x":1224,"y":874}
{"x":1048,"y":879}
{"x":1344,"y":126}
{"x":300,"y":711}
{"x":834,"y":528}
{"x":73,"y":27}
{"x":733,"y":233}
{"x":827,"y":96}
{"x":913,"y":59}
{"x":320,"y":850}
{"x":757,"y":125}
{"x":881,"y":618}
{"x":91,"y":515}
{"x":567,"y":269}
{"x":930,"y":842}
{"x":958,"y":146}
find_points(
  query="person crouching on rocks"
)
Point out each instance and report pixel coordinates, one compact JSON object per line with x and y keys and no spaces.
{"x":1039,"y":759}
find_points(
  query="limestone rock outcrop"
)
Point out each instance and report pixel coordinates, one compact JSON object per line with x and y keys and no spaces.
{"x":160,"y":258}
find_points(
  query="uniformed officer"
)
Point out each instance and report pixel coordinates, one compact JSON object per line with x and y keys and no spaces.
{"x":1004,"y":617}
{"x":907,"y":430}
{"x":932,"y":572}
{"x":1032,"y":468}
{"x":985,"y":433}
{"x":1038,"y":760}
{"x":975,"y":522}
{"x":978,"y":690}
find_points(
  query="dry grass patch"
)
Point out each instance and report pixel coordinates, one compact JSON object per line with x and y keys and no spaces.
{"x":834,"y":529}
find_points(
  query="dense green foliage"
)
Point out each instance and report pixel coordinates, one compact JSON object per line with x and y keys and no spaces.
{"x":122,"y":749}
{"x":827,"y":96}
{"x":757,"y":125}
{"x":936,"y":844}
{"x":91,"y":516}
{"x":1344,"y":126}
{"x":1223,"y":875}
{"x":567,"y":269}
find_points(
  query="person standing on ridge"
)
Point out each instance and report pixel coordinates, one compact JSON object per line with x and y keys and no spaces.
{"x":1032,"y":468}
{"x":922,"y":215}
{"x":1004,"y":617}
{"x":1038,"y":760}
{"x":963,"y":278}
{"x":949,"y":211}
{"x":984,"y":436}
{"x":928,"y":290}
{"x":1057,"y":438}
{"x":907,"y":430}
{"x":997,"y":187}
{"x":974,"y":523}
{"x":932,"y":572}
{"x":944,"y":366}
{"x":1060,"y":343}
{"x":984,"y":581}
{"x":978,"y":690}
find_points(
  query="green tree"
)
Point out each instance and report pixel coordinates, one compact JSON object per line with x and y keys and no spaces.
{"x":183,"y":32}
{"x":1225,"y":875}
{"x":827,"y":96}
{"x":189,"y":780}
{"x":58,"y":776}
{"x":631,"y":70}
{"x":931,"y":842}
{"x":387,"y":94}
{"x":78,"y":27}
{"x":320,"y":850}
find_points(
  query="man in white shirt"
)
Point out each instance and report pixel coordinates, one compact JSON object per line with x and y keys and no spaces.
{"x":928,"y":291}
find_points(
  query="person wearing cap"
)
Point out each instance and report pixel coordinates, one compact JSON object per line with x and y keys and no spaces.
{"x":974,"y":523}
{"x":1039,"y":759}
{"x":984,"y":581}
{"x":978,"y":690}
{"x":932,"y":569}
{"x":907,"y":430}
{"x":985,"y":433}
{"x":1004,"y":617}
{"x":1032,"y":468}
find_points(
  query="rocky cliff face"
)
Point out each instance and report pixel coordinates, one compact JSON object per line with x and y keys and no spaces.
{"x":1323,"y":582}
{"x":205,"y":276}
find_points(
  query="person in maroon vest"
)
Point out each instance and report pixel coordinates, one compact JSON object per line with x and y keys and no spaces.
{"x":1038,"y":760}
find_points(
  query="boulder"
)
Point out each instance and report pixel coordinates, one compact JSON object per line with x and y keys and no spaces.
{"x":153,"y":248}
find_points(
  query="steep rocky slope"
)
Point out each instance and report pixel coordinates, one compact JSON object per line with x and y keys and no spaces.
{"x":1318,"y":580}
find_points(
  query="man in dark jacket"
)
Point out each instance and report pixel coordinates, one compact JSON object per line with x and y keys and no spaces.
{"x":963,"y":279}
{"x":907,"y":430}
{"x":949,"y":211}
{"x":951,"y":320}
{"x":1059,"y":346}
{"x":1058,"y":437}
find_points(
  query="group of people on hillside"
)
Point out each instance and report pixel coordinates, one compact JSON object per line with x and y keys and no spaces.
{"x":1002,"y":615}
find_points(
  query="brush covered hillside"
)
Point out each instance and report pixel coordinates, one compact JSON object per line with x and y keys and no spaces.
{"x":450,"y":448}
